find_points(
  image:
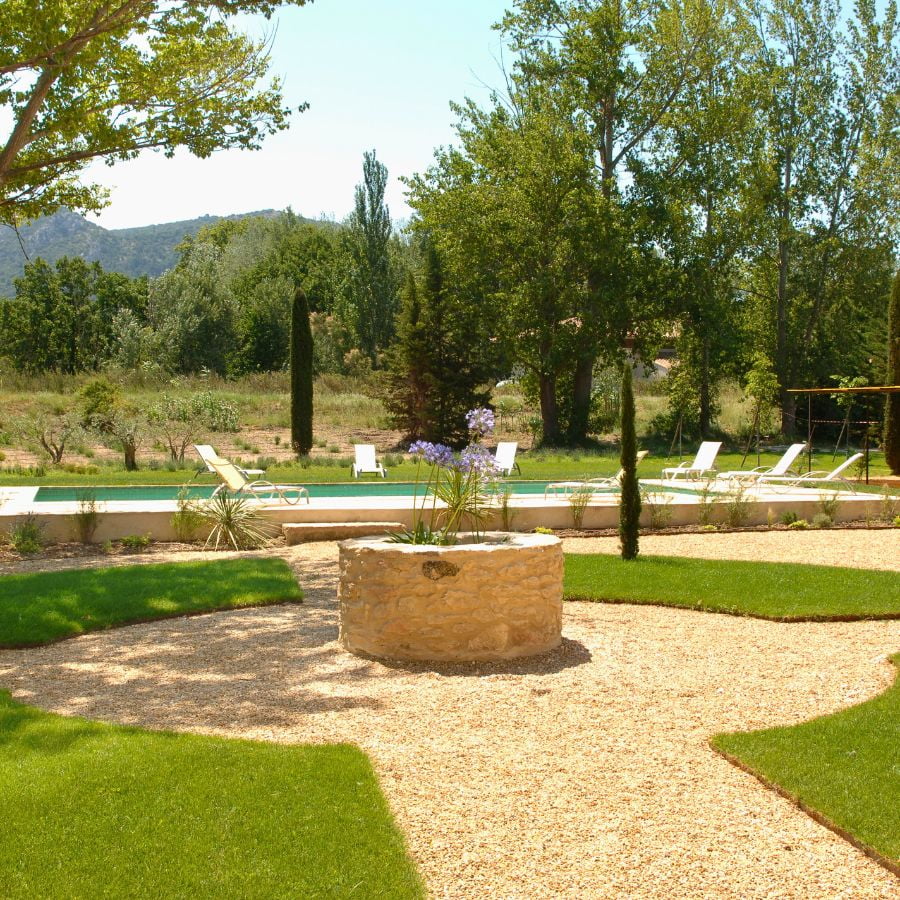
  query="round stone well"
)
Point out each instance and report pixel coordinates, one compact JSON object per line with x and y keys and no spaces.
{"x":493,"y":600}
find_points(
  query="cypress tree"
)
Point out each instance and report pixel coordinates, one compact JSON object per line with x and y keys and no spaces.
{"x":892,"y":403}
{"x":630,"y":502}
{"x":301,"y":376}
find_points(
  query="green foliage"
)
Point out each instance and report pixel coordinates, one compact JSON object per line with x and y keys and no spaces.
{"x":441,"y":362}
{"x":630,"y":497}
{"x":82,"y":83}
{"x":62,"y":318}
{"x":578,"y":503}
{"x":53,"y":431}
{"x":135,"y":542}
{"x":822,"y":520}
{"x":86,"y":519}
{"x":235,"y":523}
{"x":187,"y":520}
{"x":27,"y":536}
{"x":892,"y":377}
{"x":370,"y":289}
{"x":738,"y":506}
{"x":301,"y":376}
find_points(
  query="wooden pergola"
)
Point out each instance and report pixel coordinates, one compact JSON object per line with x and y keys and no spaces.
{"x":871,"y":389}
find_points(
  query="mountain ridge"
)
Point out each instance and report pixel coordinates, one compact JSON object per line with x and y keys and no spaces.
{"x":142,"y":250}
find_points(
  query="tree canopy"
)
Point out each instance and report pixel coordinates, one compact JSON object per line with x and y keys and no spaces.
{"x":88,"y":79}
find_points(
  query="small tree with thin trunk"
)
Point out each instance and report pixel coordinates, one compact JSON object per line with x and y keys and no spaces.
{"x":892,"y":404}
{"x":630,"y":503}
{"x":301,"y":376}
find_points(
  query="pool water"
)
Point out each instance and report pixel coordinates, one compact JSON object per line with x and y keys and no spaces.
{"x":133,"y":493}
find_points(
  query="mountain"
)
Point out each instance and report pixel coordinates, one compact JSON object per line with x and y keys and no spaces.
{"x":148,"y":250}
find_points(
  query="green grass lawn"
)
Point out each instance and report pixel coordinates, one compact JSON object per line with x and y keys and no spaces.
{"x":93,"y":810}
{"x":781,"y":591}
{"x":536,"y":466}
{"x":46,"y":606}
{"x":845,"y":767}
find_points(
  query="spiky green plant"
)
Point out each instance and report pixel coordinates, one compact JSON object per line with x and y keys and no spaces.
{"x":235,"y":523}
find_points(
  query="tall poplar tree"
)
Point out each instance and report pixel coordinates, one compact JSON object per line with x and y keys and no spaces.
{"x":370,"y":301}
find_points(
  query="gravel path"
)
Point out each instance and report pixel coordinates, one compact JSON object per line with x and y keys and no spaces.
{"x":583,"y":773}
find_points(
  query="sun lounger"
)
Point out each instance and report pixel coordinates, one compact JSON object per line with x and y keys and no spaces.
{"x":703,"y":463}
{"x":237,"y":483}
{"x":599,"y":484}
{"x":505,"y":457}
{"x":206,"y":453}
{"x":366,"y":464}
{"x":782,"y":467}
{"x":810,"y":479}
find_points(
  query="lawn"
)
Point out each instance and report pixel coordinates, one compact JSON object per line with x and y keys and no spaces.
{"x":95,"y":810}
{"x":47,"y":606}
{"x":845,"y":767}
{"x":536,"y":466}
{"x":780,"y":591}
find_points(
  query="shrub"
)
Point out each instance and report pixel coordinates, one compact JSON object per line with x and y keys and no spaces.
{"x":660,"y":508}
{"x":187,"y":519}
{"x":135,"y":541}
{"x":507,"y":513}
{"x":705,"y":504}
{"x":578,"y":503}
{"x":789,"y":517}
{"x":799,"y":525}
{"x":27,"y":535}
{"x":828,"y":505}
{"x":541,"y":530}
{"x":822,"y":520}
{"x":87,"y":518}
{"x":737,"y":507}
{"x":235,"y":522}
{"x":709,"y":527}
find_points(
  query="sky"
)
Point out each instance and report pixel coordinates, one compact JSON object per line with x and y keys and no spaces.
{"x":377,"y":75}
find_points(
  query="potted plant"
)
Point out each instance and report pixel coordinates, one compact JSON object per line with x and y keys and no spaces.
{"x":447,"y":589}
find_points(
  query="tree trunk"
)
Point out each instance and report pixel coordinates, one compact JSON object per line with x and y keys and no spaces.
{"x":581,"y":401}
{"x":705,"y":391}
{"x":549,"y":409}
{"x":130,"y":451}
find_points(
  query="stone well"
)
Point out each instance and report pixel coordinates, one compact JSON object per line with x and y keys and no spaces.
{"x":471,"y":601}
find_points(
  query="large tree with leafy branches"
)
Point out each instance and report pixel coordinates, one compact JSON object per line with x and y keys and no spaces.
{"x":105,"y":79}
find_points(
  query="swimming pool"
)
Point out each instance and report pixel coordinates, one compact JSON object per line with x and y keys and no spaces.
{"x":138,"y":493}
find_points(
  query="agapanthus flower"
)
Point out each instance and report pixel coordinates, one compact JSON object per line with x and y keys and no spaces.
{"x":478,"y":460}
{"x":480,"y":421}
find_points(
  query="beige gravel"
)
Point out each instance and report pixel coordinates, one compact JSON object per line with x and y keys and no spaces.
{"x":584,"y":773}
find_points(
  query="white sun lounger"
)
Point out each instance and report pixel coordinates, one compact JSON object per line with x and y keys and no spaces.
{"x":782,"y":467}
{"x":206,"y":453}
{"x":366,"y":464}
{"x":813,"y":478}
{"x":703,"y":463}
{"x":599,"y":484}
{"x":237,"y":483}
{"x":505,"y":457}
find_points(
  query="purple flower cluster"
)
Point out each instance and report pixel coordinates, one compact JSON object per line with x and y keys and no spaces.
{"x":480,"y":421}
{"x":433,"y":454}
{"x":477,"y":460}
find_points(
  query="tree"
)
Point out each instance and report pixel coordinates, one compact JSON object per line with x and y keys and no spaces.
{"x":104,"y":79}
{"x":630,"y":499}
{"x":301,"y":376}
{"x":621,"y":66}
{"x":828,"y":184}
{"x":408,"y":379}
{"x":892,"y":404}
{"x":370,"y":302}
{"x":62,"y":317}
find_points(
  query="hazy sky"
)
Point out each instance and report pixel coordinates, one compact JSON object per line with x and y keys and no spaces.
{"x":376,"y":75}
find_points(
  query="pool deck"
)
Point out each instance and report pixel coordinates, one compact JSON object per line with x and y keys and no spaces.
{"x":154,"y":517}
